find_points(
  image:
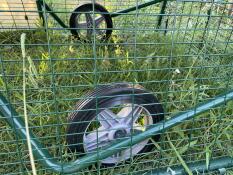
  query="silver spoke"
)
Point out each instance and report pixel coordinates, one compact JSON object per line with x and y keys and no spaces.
{"x":117,"y":126}
{"x":82,"y":25}
{"x":96,"y":139}
{"x":117,"y":155}
{"x":89,"y":24}
{"x":124,"y":112}
{"x":130,"y":114}
{"x":98,"y":21}
{"x":89,"y":20}
{"x":107,"y":118}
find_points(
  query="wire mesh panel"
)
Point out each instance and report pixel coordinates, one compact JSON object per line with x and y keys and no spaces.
{"x":18,"y":14}
{"x":112,"y":84}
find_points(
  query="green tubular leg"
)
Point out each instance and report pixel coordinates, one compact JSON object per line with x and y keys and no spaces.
{"x":41,"y":153}
{"x":200,"y":167}
{"x":40,"y":11}
{"x":40,"y":4}
{"x":161,"y":14}
{"x":50,"y":11}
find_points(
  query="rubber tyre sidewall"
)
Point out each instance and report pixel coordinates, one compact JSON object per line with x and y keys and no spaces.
{"x":83,"y":8}
{"x":79,"y":120}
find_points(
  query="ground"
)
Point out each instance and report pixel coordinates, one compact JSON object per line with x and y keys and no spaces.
{"x":188,"y":63}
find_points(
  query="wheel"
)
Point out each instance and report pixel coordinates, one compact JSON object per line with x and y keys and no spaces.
{"x":122,"y":110}
{"x":83,"y":20}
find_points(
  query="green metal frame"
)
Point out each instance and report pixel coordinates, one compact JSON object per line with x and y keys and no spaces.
{"x":8,"y":113}
{"x":219,"y":164}
{"x":140,"y":6}
{"x":43,"y":7}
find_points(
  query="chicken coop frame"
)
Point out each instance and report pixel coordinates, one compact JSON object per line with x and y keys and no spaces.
{"x":43,"y":7}
{"x":15,"y":121}
{"x":9,"y":114}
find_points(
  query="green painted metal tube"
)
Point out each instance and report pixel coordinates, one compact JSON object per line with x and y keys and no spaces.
{"x":41,"y":4}
{"x":162,"y":12}
{"x":42,"y":154}
{"x":50,"y":11}
{"x":140,"y":6}
{"x":39,"y":9}
{"x":200,"y":167}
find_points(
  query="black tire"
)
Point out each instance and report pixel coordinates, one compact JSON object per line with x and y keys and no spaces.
{"x":87,"y":8}
{"x":112,"y":95}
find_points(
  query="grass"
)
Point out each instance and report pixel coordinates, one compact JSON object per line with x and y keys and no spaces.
{"x":181,"y":68}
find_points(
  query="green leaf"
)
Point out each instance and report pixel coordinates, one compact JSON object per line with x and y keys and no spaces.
{"x":208,"y":155}
{"x":179,"y":157}
{"x":186,"y":147}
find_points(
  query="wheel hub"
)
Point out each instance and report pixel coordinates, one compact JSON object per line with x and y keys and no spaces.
{"x":117,"y":126}
{"x":120,"y":133}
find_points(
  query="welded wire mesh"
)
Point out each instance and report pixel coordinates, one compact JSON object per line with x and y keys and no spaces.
{"x":184,"y":61}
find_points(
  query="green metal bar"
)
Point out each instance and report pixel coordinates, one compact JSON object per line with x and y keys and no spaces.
{"x":146,"y":4}
{"x":39,"y":9}
{"x":162,"y":12}
{"x":115,"y":14}
{"x":200,"y":167}
{"x":50,"y":11}
{"x":41,"y":153}
{"x":40,"y":4}
{"x":207,"y":23}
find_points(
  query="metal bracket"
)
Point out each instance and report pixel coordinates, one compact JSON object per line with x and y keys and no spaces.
{"x":172,"y":172}
{"x":222,"y":170}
